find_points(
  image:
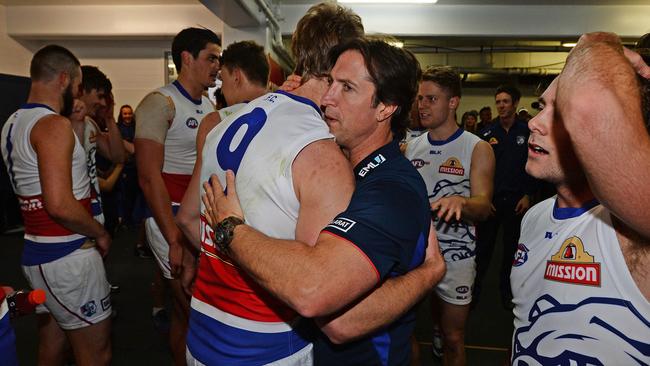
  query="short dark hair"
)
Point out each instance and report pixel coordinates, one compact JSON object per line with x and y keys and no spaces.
{"x":51,"y":60}
{"x":323,"y":26}
{"x":513,"y":92}
{"x":486,"y":108}
{"x":446,"y":77}
{"x":250,"y":58}
{"x":192,"y":40}
{"x":394,"y":71}
{"x":93,"y":78}
{"x":220,"y":98}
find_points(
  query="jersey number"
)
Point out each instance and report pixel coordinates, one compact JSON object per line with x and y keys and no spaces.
{"x":230,"y":160}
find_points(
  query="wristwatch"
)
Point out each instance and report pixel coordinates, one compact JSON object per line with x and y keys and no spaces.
{"x":223,"y":232}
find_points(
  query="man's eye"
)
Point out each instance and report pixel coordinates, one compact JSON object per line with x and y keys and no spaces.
{"x":347,"y":87}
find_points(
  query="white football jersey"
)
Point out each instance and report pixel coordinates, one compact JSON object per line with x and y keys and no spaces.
{"x":259,"y":143}
{"x":180,"y":143}
{"x":576,"y":302}
{"x":445,"y":168}
{"x":91,"y":130}
{"x":45,"y":239}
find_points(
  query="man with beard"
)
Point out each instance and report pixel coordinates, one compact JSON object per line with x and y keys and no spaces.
{"x":63,"y":243}
{"x":165,"y":145}
{"x":580,"y":275}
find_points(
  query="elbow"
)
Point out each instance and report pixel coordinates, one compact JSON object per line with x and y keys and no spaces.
{"x":56,"y":209}
{"x":307,"y":301}
{"x":338,"y":332}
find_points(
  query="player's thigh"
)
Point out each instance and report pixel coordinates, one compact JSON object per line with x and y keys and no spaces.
{"x":91,"y":342}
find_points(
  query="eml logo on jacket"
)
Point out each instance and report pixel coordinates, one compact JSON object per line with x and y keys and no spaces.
{"x":572,"y":264}
{"x":372,"y":165}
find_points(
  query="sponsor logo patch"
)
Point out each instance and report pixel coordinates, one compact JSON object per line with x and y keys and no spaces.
{"x":452,"y":166}
{"x":106,"y":302}
{"x":419,"y":163}
{"x":493,"y":141}
{"x":192,"y":123}
{"x":342,"y":223}
{"x":372,"y":165}
{"x":521,"y":255}
{"x":32,"y":204}
{"x":462,"y":289}
{"x":572,"y":264}
{"x":89,"y":309}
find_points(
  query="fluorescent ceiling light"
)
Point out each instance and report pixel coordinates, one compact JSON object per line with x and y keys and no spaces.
{"x":388,"y":1}
{"x":569,"y":44}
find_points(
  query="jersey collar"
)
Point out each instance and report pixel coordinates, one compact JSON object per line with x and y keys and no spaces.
{"x":36,"y":105}
{"x":300,"y":99}
{"x":571,"y":212}
{"x":187,"y":95}
{"x":375,"y":159}
{"x":449,"y":139}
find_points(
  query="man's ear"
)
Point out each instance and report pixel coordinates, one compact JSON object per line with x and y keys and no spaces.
{"x":63,"y":80}
{"x":454,"y":102}
{"x":238,"y":75}
{"x":385,"y":111}
{"x":186,"y":58}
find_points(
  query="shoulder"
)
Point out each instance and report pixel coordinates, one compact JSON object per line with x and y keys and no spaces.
{"x":541,"y":209}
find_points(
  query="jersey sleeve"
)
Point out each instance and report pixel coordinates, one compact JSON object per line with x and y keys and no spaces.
{"x":154,"y":114}
{"x":385,"y":224}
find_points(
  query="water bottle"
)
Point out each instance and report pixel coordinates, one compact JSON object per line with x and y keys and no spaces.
{"x":24,"y":302}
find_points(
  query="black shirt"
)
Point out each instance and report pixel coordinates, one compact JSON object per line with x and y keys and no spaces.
{"x":511,"y":152}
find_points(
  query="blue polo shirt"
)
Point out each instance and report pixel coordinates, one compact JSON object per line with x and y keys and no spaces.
{"x":388,"y":219}
{"x":511,"y":152}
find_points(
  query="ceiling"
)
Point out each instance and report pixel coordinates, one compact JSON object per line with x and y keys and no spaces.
{"x":440,"y":2}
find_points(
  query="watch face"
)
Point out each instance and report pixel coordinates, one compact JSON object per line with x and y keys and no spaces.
{"x":219,"y":236}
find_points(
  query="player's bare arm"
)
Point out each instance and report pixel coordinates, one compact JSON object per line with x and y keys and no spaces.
{"x":389,"y":301}
{"x":306,"y":277}
{"x":149,"y":143}
{"x":53,"y":141}
{"x":606,"y":126}
{"x":477,"y":207}
{"x":188,"y":215}
{"x":110,"y":144}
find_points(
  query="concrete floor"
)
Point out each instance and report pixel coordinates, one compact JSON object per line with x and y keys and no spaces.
{"x":136,"y":342}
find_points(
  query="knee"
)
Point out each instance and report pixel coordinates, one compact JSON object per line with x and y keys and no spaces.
{"x":454,"y":339}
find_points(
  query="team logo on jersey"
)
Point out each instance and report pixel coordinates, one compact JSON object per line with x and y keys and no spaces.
{"x":89,"y":309}
{"x":462,"y":289}
{"x":192,"y":123}
{"x":572,"y":264}
{"x":342,"y":223}
{"x":419,"y":163}
{"x":521,"y":255}
{"x":452,"y":166}
{"x":493,"y":141}
{"x":521,"y":140}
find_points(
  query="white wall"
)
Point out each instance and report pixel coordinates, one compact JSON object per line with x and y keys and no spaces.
{"x":14,"y":57}
{"x":129,"y":49}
